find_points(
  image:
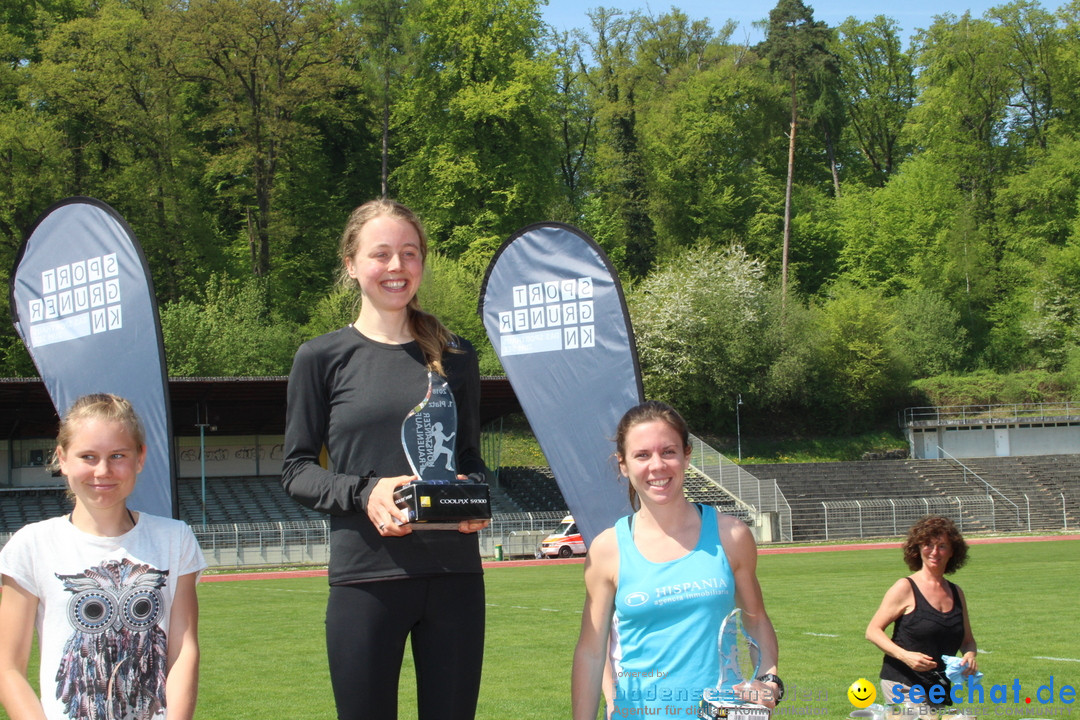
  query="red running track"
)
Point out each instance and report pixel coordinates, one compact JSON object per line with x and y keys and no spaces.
{"x":492,"y":564}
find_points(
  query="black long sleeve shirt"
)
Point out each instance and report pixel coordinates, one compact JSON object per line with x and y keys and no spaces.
{"x":351,"y":394}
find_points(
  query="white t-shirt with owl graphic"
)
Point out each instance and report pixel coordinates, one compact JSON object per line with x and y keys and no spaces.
{"x":103,"y":612}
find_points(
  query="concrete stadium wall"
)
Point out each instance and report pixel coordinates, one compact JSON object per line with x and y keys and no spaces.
{"x":237,"y":456}
{"x":1004,"y":440}
{"x":22,"y":462}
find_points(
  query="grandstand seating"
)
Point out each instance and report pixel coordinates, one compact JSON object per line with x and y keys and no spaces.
{"x":228,"y":500}
{"x":807,"y":485}
{"x":26,"y":505}
{"x":532,"y":489}
{"x":240,"y":500}
{"x":699,"y":488}
{"x":501,"y":502}
{"x":1046,"y":487}
{"x":1046,"y":481}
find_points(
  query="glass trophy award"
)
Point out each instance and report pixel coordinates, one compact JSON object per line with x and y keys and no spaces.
{"x":437,"y":500}
{"x":740,"y":663}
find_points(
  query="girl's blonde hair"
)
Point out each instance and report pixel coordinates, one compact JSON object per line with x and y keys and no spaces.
{"x":431,"y":335}
{"x":97,"y":406}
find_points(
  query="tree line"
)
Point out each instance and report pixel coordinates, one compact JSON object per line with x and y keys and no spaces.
{"x":815,"y":223}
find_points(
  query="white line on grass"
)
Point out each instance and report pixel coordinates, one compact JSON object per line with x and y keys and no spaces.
{"x":1041,"y":657}
{"x":821,"y":634}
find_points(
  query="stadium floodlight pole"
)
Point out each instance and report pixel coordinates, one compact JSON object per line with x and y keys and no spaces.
{"x":738,"y":426}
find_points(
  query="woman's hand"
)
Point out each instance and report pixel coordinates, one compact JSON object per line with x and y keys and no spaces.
{"x":474,"y":525}
{"x":388,"y":518}
{"x":755,"y":691}
{"x":971,"y":666}
{"x":917,"y":661}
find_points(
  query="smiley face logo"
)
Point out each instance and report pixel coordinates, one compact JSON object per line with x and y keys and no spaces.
{"x":861,"y":693}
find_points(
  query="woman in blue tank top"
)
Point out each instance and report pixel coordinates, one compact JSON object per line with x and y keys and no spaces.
{"x":660,"y":583}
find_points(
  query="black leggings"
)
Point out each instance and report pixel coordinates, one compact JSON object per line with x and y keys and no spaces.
{"x":366,"y":627}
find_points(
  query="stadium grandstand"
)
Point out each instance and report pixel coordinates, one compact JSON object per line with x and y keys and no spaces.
{"x":228,"y":445}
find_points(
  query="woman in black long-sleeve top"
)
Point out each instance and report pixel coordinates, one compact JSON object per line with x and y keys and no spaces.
{"x":350,"y":390}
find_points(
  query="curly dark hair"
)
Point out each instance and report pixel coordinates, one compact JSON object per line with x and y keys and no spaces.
{"x":926,"y":530}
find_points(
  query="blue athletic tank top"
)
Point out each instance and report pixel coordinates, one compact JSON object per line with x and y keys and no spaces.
{"x":667,"y":621}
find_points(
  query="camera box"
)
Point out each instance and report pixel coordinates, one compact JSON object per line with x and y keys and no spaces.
{"x":434,"y":504}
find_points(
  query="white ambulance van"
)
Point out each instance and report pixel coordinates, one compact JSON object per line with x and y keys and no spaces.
{"x":564,"y":542}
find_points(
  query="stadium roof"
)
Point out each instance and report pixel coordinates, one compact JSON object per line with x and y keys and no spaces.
{"x":232,"y":406}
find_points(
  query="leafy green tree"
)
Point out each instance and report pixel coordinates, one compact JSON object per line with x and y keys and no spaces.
{"x":1067,"y":90}
{"x":1038,"y":323}
{"x":1035,"y":61}
{"x":576,"y":125}
{"x":477,"y":140}
{"x":1037,"y":206}
{"x":24,"y":25}
{"x":797,"y":48}
{"x":34,"y":160}
{"x":388,"y":45}
{"x":930,"y":331}
{"x":964,"y":92}
{"x":863,"y":365}
{"x":703,"y":122}
{"x":813,"y":262}
{"x":702,"y":135}
{"x":699,"y":320}
{"x":230,"y":333}
{"x":619,"y":171}
{"x":1071,"y":372}
{"x":259,"y":66}
{"x":892,"y":236}
{"x":967,"y":271}
{"x":788,"y":386}
{"x":107,"y":84}
{"x":879,"y":87}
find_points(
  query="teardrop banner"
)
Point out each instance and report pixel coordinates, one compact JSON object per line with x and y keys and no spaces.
{"x":83,"y":302}
{"x":554,"y":310}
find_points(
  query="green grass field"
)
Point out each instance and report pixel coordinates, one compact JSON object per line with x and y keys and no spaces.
{"x":263,"y":646}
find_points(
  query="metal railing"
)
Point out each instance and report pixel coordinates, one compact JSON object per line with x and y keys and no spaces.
{"x":519,"y":534}
{"x":846,"y":519}
{"x":983,"y":414}
{"x":308,"y":542}
{"x":990,"y":489}
{"x":752,"y":494}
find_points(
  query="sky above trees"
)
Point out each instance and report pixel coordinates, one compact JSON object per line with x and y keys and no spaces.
{"x":909,"y":15}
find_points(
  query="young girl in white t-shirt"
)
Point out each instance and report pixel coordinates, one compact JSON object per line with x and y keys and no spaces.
{"x":111,"y":592}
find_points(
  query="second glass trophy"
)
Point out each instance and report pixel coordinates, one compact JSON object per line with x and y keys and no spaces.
{"x":437,"y":500}
{"x":740,"y":660}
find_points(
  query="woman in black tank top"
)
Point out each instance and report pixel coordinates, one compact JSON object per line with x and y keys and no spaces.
{"x":929,"y":618}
